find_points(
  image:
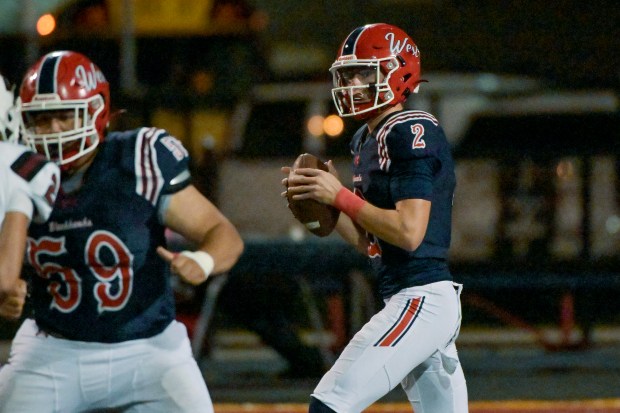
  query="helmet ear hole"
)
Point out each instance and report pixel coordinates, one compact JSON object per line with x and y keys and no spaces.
{"x":96,"y":103}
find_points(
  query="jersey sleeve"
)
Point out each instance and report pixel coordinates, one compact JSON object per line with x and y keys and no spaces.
{"x":162,"y":164}
{"x":39,"y":180}
{"x":412,"y":148}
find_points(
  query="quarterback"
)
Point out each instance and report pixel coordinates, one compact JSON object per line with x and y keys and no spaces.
{"x":399,"y":215}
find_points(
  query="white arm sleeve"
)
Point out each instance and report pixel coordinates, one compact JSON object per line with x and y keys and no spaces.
{"x":19,"y":201}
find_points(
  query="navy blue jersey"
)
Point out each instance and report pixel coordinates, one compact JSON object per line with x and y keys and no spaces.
{"x":99,"y":276}
{"x":407,"y":157}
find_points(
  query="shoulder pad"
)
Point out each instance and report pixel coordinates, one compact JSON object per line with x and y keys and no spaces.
{"x":40,"y":179}
{"x":162,"y":164}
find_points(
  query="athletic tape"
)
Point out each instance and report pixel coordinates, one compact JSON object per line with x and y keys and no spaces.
{"x":203,"y":259}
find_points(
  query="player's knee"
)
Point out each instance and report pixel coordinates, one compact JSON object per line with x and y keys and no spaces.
{"x":317,"y":406}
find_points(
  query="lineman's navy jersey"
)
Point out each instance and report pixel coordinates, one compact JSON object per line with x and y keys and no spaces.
{"x":99,"y":276}
{"x":407,"y":157}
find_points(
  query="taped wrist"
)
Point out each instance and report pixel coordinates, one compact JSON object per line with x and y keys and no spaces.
{"x":349,"y":203}
{"x":203,"y":259}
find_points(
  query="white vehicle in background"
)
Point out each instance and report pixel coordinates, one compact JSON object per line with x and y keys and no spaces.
{"x":487,"y":118}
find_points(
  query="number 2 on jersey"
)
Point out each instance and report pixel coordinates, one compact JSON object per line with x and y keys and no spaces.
{"x":418,"y":132}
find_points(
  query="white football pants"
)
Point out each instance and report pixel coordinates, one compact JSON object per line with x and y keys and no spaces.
{"x":411,"y":342}
{"x":51,"y":375}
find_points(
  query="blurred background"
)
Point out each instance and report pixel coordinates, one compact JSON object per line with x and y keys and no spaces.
{"x":527,"y":92}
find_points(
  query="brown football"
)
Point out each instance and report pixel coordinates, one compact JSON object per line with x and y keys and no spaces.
{"x":318,"y":218}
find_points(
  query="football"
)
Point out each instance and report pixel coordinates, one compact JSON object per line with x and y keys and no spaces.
{"x":318,"y":218}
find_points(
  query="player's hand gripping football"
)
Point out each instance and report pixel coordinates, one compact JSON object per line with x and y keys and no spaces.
{"x":309,"y":183}
{"x":185,"y":267}
{"x":12,"y":301}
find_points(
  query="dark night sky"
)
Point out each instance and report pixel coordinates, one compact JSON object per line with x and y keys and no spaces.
{"x":573,"y":43}
{"x":570,"y":43}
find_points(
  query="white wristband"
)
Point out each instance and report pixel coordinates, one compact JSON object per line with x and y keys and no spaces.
{"x":203,"y":259}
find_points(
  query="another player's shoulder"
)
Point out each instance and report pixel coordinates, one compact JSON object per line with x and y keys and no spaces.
{"x":147,"y":142}
{"x":10,"y":152}
{"x":158,"y":160}
{"x":26,"y":164}
{"x":32,"y":174}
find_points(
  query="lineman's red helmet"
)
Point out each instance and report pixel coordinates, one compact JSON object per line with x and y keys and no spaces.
{"x":65,"y":81}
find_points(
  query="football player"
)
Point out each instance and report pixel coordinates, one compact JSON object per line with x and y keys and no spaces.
{"x":104,"y":334}
{"x":399,"y":215}
{"x":28,"y":187}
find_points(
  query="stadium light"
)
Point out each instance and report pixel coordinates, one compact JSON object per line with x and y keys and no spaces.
{"x":333,"y":126}
{"x":315,"y":125}
{"x":46,"y":24}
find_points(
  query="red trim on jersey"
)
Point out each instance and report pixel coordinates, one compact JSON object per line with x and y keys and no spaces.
{"x":150,"y":155}
{"x":403,"y":324}
{"x":150,"y":179}
{"x":28,"y":164}
{"x":141,"y":155}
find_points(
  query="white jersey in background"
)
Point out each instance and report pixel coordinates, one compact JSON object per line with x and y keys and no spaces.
{"x":28,"y":182}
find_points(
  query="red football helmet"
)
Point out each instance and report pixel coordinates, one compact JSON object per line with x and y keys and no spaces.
{"x":61,"y":82}
{"x":386,"y":63}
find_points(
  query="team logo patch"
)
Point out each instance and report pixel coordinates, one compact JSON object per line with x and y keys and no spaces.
{"x":175,"y":147}
{"x":403,"y":324}
{"x":397,"y":46}
{"x":89,"y":78}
